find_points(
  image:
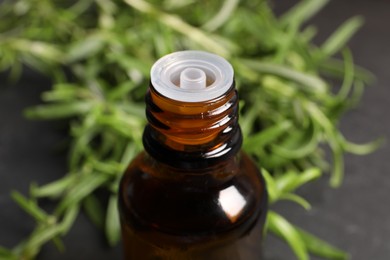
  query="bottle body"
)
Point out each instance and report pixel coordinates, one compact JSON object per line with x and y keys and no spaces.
{"x":212,"y":213}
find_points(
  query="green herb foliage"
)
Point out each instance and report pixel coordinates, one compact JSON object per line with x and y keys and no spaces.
{"x":289,"y":111}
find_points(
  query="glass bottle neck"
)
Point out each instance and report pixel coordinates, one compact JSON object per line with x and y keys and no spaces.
{"x":192,"y":134}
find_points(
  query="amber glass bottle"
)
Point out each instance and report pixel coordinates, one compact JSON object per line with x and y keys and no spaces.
{"x":192,"y":194}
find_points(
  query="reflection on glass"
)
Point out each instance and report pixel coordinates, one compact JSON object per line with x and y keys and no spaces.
{"x":232,"y":202}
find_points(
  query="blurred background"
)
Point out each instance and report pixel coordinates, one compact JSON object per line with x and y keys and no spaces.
{"x":354,"y":217}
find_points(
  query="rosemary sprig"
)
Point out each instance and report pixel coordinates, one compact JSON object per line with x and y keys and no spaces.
{"x":288,"y":108}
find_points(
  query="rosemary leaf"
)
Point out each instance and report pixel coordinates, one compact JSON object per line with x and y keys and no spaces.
{"x":94,"y":210}
{"x":58,"y":110}
{"x":302,"y":11}
{"x":297,"y":199}
{"x":282,"y":228}
{"x":30,"y":207}
{"x":339,"y":38}
{"x":86,"y":185}
{"x":320,"y":247}
{"x":112,"y":227}
{"x":309,"y":82}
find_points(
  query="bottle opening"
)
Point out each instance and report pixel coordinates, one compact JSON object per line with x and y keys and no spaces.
{"x":192,"y":76}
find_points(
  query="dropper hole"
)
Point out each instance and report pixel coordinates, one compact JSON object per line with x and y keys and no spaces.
{"x":210,"y":76}
{"x":193,"y":74}
{"x":192,"y":78}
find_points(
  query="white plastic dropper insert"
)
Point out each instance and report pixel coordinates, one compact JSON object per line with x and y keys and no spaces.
{"x":192,"y":76}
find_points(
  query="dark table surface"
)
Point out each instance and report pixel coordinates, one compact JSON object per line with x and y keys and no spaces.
{"x":353,"y":217}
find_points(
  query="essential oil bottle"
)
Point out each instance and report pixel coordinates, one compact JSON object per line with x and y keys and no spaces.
{"x":192,"y":194}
